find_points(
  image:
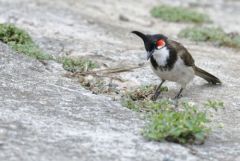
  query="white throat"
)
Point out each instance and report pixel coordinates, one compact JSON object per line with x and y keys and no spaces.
{"x":161,"y":56}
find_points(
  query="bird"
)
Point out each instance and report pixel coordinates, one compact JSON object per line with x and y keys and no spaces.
{"x":171,"y":61}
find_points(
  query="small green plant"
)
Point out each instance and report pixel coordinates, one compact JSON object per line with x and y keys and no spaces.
{"x":130,"y":104}
{"x":214,"y":104}
{"x":187,"y":126}
{"x":20,"y":41}
{"x":178,"y":14}
{"x":147,"y":106}
{"x":211,"y":34}
{"x":76,"y":64}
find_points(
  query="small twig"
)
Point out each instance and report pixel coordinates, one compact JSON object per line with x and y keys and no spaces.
{"x":111,"y":70}
{"x":116,"y":78}
{"x":107,"y":71}
{"x":95,"y":75}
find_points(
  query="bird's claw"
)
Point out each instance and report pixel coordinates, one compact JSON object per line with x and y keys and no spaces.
{"x":177,"y":97}
{"x":155,"y":96}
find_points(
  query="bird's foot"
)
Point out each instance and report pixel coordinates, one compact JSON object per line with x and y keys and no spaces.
{"x":155,"y":96}
{"x":178,"y":96}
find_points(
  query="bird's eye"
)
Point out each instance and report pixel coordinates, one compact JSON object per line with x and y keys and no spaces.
{"x":160,"y":43}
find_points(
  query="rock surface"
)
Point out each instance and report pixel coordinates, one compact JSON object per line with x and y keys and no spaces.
{"x":45,"y":116}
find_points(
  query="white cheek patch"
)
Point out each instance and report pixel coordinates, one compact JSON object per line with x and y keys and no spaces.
{"x":161,"y":56}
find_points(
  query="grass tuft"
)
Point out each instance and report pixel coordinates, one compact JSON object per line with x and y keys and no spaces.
{"x":76,"y":64}
{"x":147,"y":106}
{"x":185,"y":126}
{"x":215,"y":35}
{"x":214,"y":104}
{"x":20,"y":41}
{"x":178,"y":14}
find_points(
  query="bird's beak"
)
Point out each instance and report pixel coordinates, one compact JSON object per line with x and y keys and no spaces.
{"x":149,"y":54}
{"x":143,"y":36}
{"x":147,"y":43}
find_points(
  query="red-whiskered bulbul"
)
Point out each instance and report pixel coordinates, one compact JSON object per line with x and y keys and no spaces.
{"x":171,"y":61}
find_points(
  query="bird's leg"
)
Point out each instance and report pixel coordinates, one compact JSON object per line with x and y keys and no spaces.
{"x":158,"y":91}
{"x":179,"y":94}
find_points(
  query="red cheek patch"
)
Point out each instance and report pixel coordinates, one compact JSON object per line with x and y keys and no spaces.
{"x":160,"y":43}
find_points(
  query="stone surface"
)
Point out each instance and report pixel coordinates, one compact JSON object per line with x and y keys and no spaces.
{"x":45,"y":116}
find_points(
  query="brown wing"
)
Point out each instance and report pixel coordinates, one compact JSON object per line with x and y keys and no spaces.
{"x":182,"y":52}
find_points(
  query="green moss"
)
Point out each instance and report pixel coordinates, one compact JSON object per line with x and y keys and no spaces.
{"x":130,"y":104}
{"x":235,"y":41}
{"x":187,"y":126}
{"x":20,"y":41}
{"x":178,"y":14}
{"x":214,"y":104}
{"x":76,"y":64}
{"x":203,"y":34}
{"x":215,"y":35}
{"x":147,"y":106}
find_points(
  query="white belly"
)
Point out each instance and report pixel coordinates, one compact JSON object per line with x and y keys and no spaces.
{"x":180,"y":73}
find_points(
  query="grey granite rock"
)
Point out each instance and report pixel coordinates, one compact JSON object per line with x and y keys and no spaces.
{"x":45,"y":116}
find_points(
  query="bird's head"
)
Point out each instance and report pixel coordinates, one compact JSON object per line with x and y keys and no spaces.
{"x":152,"y":42}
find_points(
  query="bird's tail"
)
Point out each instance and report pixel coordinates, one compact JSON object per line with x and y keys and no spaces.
{"x":207,"y":76}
